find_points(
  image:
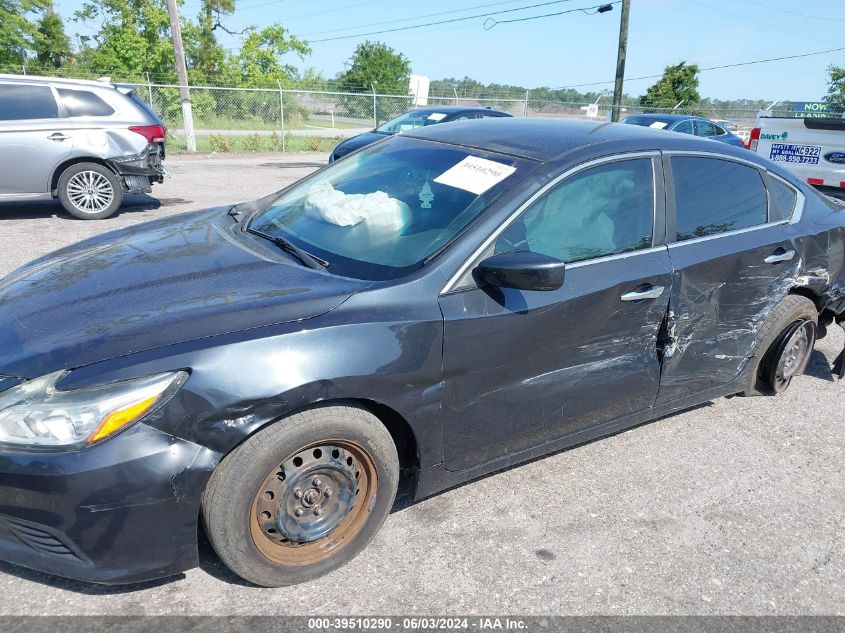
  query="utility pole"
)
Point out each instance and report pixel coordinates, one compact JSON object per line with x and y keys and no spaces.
{"x":620,"y":61}
{"x":182,"y":76}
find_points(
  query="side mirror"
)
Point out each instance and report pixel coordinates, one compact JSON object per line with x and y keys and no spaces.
{"x":522,"y":270}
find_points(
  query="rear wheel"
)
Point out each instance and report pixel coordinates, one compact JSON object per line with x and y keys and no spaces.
{"x":784,"y":345}
{"x":303,"y":496}
{"x":90,"y":191}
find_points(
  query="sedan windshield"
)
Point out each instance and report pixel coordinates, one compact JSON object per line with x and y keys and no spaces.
{"x":647,"y":121}
{"x":385,"y":210}
{"x":410,"y":120}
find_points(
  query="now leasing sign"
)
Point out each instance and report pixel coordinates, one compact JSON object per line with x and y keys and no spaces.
{"x":810,"y":109}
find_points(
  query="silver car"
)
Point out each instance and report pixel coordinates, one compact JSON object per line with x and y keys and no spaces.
{"x":86,"y":143}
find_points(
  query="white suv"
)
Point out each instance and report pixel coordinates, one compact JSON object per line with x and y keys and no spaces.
{"x":86,"y":143}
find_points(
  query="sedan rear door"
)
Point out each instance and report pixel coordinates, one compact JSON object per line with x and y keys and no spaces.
{"x":734,"y":257}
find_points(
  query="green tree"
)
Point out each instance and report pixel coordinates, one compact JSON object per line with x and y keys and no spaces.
{"x":134,"y":38}
{"x":18,"y":32}
{"x":52,"y":46}
{"x":678,"y":83}
{"x":208,"y":58}
{"x":835,"y":98}
{"x":260,"y":59}
{"x":374,"y":64}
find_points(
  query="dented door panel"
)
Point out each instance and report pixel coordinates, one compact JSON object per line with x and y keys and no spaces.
{"x":722,"y":290}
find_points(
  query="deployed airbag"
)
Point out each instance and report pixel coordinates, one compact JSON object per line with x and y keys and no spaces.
{"x":377,"y":209}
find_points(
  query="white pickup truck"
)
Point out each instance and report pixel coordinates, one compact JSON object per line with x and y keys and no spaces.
{"x":811,"y":148}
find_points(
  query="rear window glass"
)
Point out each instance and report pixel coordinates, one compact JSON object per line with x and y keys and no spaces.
{"x":714,"y":196}
{"x":27,"y":102}
{"x":84,"y":103}
{"x":784,"y":198}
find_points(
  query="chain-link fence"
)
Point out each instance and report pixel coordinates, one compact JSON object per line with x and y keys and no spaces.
{"x":262,"y":119}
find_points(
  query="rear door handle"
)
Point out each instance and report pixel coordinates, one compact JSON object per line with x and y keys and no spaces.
{"x":650,"y":292}
{"x":779,"y":255}
{"x":58,"y":136}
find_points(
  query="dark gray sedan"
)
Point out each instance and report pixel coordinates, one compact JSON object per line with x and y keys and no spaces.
{"x":444,"y":304}
{"x":412,"y":120}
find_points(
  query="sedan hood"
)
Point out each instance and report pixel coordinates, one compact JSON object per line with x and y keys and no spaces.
{"x":356,"y":142}
{"x":155,"y":284}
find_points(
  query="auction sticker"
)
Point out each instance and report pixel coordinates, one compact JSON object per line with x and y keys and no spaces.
{"x":475,"y":174}
{"x":803,"y":154}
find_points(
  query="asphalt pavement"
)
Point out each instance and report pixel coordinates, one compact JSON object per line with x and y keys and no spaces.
{"x":734,"y":507}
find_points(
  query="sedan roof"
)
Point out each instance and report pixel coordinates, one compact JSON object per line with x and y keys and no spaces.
{"x":545,"y":139}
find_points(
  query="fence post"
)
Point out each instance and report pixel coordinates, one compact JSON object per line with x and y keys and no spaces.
{"x":282,"y":113}
{"x":375,"y":107}
{"x":150,"y":90}
{"x":525,"y":110}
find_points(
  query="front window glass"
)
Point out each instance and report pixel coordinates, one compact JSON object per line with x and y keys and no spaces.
{"x":601,"y":211}
{"x":382,"y":212}
{"x":410,"y":121}
{"x":714,"y":196}
{"x":684,"y":127}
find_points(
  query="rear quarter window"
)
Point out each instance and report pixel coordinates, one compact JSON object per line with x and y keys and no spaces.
{"x":81,"y":103}
{"x":714,"y":196}
{"x":18,"y":103}
{"x":783,"y":199}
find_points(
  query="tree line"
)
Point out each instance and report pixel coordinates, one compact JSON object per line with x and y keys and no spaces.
{"x":131,"y":42}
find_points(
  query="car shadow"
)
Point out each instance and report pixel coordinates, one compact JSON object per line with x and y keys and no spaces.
{"x":819,"y":367}
{"x":52,"y":208}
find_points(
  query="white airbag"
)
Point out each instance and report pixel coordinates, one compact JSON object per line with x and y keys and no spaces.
{"x":376,"y":209}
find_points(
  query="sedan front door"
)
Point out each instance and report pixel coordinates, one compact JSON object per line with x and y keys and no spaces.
{"x":522,"y":368}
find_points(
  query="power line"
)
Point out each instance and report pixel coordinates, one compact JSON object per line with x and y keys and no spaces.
{"x":419,"y":26}
{"x":748,"y":63}
{"x":586,"y":10}
{"x":800,"y":15}
{"x":417,"y":17}
{"x":758,"y":23}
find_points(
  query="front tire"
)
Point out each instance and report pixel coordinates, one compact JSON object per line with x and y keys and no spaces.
{"x":90,"y":191}
{"x":303,"y":496}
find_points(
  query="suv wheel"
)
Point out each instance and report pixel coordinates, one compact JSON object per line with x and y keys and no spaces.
{"x":90,"y":191}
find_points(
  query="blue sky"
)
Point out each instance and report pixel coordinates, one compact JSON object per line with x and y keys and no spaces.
{"x":573,"y":48}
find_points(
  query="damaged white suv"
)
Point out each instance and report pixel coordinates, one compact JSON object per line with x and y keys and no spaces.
{"x":86,"y":143}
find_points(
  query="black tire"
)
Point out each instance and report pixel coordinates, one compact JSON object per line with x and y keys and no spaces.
{"x":781,"y":323}
{"x":231,"y":502}
{"x":102,"y":198}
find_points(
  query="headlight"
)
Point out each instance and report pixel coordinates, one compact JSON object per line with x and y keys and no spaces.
{"x":35,"y":413}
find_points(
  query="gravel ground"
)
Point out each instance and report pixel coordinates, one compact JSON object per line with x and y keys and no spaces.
{"x":734,"y":507}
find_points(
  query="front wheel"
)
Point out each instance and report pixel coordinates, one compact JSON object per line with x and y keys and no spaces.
{"x":90,"y":191}
{"x":303,"y":496}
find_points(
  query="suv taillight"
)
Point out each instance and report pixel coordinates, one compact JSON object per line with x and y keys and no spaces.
{"x":153,"y":133}
{"x":752,"y":140}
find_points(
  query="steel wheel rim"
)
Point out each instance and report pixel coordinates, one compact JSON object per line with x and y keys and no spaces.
{"x":90,"y":191}
{"x":293,"y":521}
{"x":793,"y":354}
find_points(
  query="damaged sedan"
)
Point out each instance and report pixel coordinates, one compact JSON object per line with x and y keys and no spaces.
{"x":430,"y":309}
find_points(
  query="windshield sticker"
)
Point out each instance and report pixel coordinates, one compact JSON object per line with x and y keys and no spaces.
{"x":659,"y":125}
{"x":426,"y":196}
{"x":436,"y":116}
{"x":475,"y":174}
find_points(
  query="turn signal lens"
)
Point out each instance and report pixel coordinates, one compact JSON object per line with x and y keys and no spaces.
{"x":116,"y":420}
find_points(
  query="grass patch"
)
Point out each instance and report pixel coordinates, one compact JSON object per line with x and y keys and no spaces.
{"x":225,"y":144}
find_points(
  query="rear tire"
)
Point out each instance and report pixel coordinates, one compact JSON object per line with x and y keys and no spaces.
{"x":90,"y":191}
{"x":783,"y":346}
{"x":303,"y":496}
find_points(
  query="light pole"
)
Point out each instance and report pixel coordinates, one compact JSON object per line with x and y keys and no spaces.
{"x":620,"y":61}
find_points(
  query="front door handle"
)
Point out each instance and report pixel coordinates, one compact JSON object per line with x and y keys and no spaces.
{"x":58,"y":136}
{"x":649,"y":292}
{"x":779,"y":255}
